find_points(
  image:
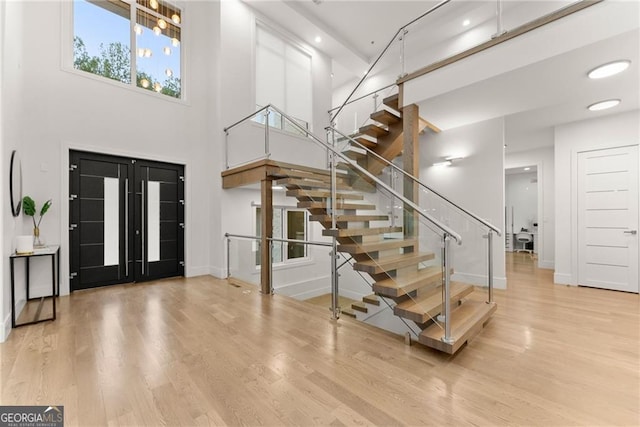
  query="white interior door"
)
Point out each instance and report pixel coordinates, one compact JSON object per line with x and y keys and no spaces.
{"x":608,"y":218}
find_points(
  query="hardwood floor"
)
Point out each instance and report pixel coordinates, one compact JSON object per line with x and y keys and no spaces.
{"x":202,"y":352}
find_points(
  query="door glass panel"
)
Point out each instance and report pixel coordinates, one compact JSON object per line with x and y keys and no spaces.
{"x":296,"y":231}
{"x":111,"y":222}
{"x":153,"y":217}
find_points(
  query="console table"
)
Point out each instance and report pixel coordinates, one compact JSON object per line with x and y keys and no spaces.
{"x":52,"y":251}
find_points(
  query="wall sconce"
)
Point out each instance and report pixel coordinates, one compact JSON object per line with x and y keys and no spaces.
{"x":448,"y":161}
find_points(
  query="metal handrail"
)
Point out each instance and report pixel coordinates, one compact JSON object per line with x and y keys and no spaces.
{"x":444,"y":228}
{"x":364,"y":96}
{"x":433,"y":9}
{"x":245,"y":119}
{"x":416,"y":180}
{"x":304,"y":242}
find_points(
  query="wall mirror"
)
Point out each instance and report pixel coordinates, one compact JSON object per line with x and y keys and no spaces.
{"x":15,"y":183}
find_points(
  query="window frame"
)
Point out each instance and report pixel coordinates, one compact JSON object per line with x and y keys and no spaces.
{"x":67,"y":51}
{"x":286,"y":261}
{"x":296,"y":44}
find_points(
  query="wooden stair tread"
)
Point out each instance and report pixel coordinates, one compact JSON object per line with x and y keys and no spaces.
{"x":307,"y":183}
{"x":390,"y":263}
{"x":402,"y":285}
{"x":385,"y":117}
{"x":294,"y":173}
{"x":350,"y":232}
{"x":349,"y":218}
{"x":322,"y":194}
{"x":373,"y":130}
{"x":361,"y":248}
{"x":354,"y":155}
{"x":392,"y":101}
{"x":371,"y":299}
{"x":312,"y":204}
{"x":360,"y":306}
{"x":467,"y":320}
{"x":422,"y":308}
{"x":366,"y":142}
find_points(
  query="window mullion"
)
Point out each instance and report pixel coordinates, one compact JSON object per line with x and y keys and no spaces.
{"x":133,"y":17}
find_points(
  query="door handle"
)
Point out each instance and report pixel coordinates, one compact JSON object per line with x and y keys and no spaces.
{"x":633,"y":232}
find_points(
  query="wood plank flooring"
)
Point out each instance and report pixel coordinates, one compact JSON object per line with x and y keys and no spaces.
{"x":201,"y":352}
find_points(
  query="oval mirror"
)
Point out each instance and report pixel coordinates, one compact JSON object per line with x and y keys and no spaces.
{"x":15,"y":183}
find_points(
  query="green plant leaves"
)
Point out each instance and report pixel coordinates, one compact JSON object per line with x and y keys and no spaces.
{"x":29,"y":206}
{"x":45,"y":207}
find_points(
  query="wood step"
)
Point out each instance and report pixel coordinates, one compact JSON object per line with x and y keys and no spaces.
{"x":390,"y":263}
{"x":311,"y":204}
{"x":355,"y":154}
{"x":467,"y":320}
{"x":363,"y":248}
{"x":392,"y":101}
{"x":374,"y":131}
{"x":292,"y":173}
{"x":322,"y":194}
{"x":366,"y":142}
{"x":351,"y":232}
{"x":371,"y":299}
{"x":385,"y":117}
{"x":293,"y":183}
{"x":426,"y":307}
{"x":349,"y":218}
{"x":402,"y":285}
{"x":360,"y":306}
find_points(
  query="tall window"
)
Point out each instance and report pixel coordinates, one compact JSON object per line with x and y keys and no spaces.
{"x":287,"y":224}
{"x":283,"y":78}
{"x":131,"y":41}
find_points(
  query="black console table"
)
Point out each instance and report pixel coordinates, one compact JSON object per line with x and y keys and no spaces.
{"x":54,"y":252}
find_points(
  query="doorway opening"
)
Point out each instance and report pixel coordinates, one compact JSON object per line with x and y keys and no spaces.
{"x":521,"y":210}
{"x":126,"y":220}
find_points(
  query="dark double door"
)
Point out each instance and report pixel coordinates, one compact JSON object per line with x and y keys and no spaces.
{"x":126,"y":220}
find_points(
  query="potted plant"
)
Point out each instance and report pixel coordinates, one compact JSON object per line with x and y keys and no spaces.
{"x":29,"y":208}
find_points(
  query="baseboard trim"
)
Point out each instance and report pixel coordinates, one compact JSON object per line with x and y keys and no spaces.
{"x":548,"y":265}
{"x":305,"y":289}
{"x":196,"y":271}
{"x":217,"y":272}
{"x":562,"y":279}
{"x":6,"y":328}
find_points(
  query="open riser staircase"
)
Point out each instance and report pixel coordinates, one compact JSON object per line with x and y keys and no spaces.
{"x":389,"y":253}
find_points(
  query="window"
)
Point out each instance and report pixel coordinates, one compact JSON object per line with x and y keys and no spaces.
{"x":283,"y":78}
{"x":290,"y":223}
{"x":133,"y":42}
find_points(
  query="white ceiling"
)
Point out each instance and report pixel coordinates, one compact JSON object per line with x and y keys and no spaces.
{"x":533,"y":98}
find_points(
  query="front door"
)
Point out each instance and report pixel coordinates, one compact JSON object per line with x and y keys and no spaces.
{"x":608,"y":218}
{"x":126,"y":220}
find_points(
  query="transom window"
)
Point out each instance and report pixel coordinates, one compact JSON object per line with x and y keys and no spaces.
{"x":135,"y":42}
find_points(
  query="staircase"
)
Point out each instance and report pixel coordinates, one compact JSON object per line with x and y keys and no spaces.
{"x":390,"y":254}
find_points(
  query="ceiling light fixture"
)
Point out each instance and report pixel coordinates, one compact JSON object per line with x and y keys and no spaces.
{"x":175,"y":42}
{"x":167,"y":50}
{"x":175,"y":18}
{"x":527,"y":169}
{"x":466,"y":23}
{"x":445,"y":163}
{"x":603,"y":105}
{"x":137,"y":29}
{"x":157,"y":31}
{"x":162,"y":23}
{"x":609,"y":69}
{"x":318,"y":39}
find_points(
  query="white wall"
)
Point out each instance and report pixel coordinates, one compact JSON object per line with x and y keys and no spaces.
{"x":475,"y":183}
{"x":55,"y":109}
{"x":603,"y":132}
{"x":543,"y":158}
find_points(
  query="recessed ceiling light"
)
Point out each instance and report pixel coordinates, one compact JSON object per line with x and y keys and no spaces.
{"x":603,"y":105}
{"x":445,"y":163}
{"x":609,"y":69}
{"x":527,"y":169}
{"x":466,"y":22}
{"x":318,"y":39}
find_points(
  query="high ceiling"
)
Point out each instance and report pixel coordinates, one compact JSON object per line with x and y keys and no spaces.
{"x":533,"y":98}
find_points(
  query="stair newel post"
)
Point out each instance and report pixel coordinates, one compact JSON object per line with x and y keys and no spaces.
{"x":267,"y":153}
{"x":228,"y":256}
{"x":335,"y":309}
{"x":403,"y":35}
{"x":446,"y":261}
{"x":490,"y":265}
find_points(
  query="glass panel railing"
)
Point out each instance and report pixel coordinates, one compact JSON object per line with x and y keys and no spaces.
{"x":240,"y":256}
{"x":443,"y":31}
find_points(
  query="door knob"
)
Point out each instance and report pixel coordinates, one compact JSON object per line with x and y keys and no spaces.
{"x":631,"y":232}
